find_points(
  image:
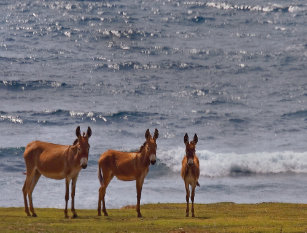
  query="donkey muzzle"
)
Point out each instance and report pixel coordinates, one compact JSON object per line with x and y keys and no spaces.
{"x":152,"y":159}
{"x":190,"y":162}
{"x":83,"y":162}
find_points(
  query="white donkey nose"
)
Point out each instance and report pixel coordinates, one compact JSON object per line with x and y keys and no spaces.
{"x":83,"y":162}
{"x":152,"y":158}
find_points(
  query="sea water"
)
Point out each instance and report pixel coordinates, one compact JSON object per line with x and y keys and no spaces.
{"x":234,"y":72}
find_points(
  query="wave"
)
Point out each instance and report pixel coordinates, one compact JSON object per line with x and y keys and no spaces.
{"x":11,"y":151}
{"x":59,"y":116}
{"x":297,"y":114}
{"x":211,"y":164}
{"x":233,"y":164}
{"x":134,"y":65}
{"x":128,"y":34}
{"x":17,"y":85}
{"x":12,"y":159}
{"x":10,"y":118}
{"x":244,"y":7}
{"x":268,"y":8}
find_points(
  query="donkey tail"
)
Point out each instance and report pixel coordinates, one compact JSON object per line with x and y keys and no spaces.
{"x":100,"y":175}
{"x":198,"y":184}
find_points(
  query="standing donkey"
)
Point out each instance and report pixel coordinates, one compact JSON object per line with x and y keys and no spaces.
{"x":126,"y":166}
{"x":190,"y":170}
{"x":56,"y":162}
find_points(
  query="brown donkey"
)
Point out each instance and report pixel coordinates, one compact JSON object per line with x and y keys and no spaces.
{"x":56,"y":162}
{"x":126,"y":166}
{"x":190,"y":170}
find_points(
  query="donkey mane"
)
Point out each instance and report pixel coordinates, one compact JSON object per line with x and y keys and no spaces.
{"x":75,"y":142}
{"x":143,"y":146}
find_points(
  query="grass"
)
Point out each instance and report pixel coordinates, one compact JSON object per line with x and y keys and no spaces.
{"x":220,"y":217}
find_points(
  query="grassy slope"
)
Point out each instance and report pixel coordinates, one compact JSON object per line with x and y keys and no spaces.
{"x":221,"y":217}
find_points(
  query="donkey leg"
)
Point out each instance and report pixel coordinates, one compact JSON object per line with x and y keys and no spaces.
{"x":73,"y":189}
{"x":66,"y":196}
{"x":35,"y":179}
{"x":102,"y":193}
{"x":187,"y":189}
{"x":107,"y":177}
{"x":192,"y":199}
{"x":26,"y":187}
{"x":24,"y":190}
{"x":139,"y":185}
{"x":99,"y":201}
{"x":103,"y":203}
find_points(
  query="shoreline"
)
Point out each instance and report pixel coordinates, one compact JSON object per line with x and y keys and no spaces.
{"x":133,"y":206}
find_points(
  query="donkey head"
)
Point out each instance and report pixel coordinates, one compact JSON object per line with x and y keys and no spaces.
{"x":190,"y":148}
{"x":83,"y":146}
{"x":151,"y":145}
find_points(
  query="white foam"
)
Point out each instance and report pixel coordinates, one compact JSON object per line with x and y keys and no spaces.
{"x":13,"y":119}
{"x":224,"y":164}
{"x":267,"y":8}
{"x":294,"y":9}
{"x":79,"y":114}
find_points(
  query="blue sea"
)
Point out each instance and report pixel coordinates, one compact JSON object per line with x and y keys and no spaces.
{"x":232,"y":71}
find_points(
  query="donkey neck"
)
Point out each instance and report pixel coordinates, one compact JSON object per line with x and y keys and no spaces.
{"x":144,"y":156}
{"x":72,"y":155}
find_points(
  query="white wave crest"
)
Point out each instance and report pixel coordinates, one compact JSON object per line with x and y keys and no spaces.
{"x":13,"y":119}
{"x":295,"y":9}
{"x":76,"y":114}
{"x":268,"y":8}
{"x":225,"y":164}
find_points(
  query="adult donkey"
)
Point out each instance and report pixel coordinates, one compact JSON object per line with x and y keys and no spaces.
{"x":190,"y":170}
{"x":56,"y":162}
{"x":126,"y":166}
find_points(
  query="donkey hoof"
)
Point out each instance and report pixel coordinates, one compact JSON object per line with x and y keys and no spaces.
{"x":187,"y":215}
{"x":34,"y":215}
{"x":75,"y":215}
{"x":193,"y":215}
{"x":105,"y":214}
{"x":140,"y":215}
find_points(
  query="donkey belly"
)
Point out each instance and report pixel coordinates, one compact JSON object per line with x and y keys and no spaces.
{"x":52,"y":165}
{"x":131,"y":175}
{"x":125,"y":177}
{"x":51,"y":175}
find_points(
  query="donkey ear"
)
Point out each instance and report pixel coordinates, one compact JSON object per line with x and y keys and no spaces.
{"x":186,"y":138}
{"x":89,"y":132}
{"x":78,"y":133}
{"x":195,"y":139}
{"x":147,"y":134}
{"x":156,"y":134}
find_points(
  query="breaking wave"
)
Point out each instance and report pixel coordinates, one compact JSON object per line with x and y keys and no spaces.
{"x":233,"y":164}
{"x":267,"y":8}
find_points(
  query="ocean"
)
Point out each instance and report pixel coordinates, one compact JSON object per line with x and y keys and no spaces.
{"x":234,"y":72}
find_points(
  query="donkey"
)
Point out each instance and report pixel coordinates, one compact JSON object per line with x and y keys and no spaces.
{"x":126,"y":166}
{"x":190,"y":170}
{"x":56,"y":162}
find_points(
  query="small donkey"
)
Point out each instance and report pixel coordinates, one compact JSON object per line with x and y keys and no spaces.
{"x":190,"y":170}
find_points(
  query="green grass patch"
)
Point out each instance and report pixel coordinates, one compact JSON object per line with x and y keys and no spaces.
{"x":220,"y":217}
